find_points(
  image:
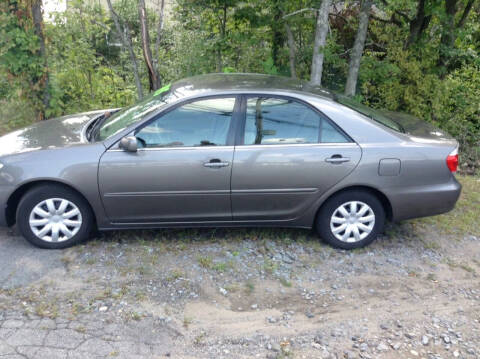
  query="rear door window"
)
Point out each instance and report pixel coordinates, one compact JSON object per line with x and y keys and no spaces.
{"x":273,"y":121}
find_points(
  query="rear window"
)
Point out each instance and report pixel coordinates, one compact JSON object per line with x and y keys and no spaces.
{"x":375,"y":115}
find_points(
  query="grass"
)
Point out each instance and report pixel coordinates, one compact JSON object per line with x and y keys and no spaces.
{"x":269,"y":266}
{"x":67,"y":260}
{"x":208,"y":263}
{"x":80,"y":329}
{"x":174,"y":275}
{"x":90,"y":261}
{"x":77,"y":308}
{"x":134,"y":316}
{"x":46,"y":310}
{"x":249,"y":287}
{"x":430,"y":244}
{"x":205,"y":262}
{"x":232,"y":288}
{"x":187,"y":321}
{"x":199,"y":338}
{"x":285,"y":282}
{"x":467,"y":268}
{"x":452,"y":264}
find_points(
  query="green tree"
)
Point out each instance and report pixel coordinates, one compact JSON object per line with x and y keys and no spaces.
{"x":23,"y":55}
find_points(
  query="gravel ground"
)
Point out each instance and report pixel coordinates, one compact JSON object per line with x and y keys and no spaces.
{"x":243,"y":293}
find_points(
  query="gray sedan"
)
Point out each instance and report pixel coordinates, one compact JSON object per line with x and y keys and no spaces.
{"x":226,"y":150}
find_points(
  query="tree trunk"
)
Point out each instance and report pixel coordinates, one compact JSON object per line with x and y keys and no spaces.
{"x":159,"y":32}
{"x":43,"y":81}
{"x":448,"y":34}
{"x":291,"y":51}
{"x":127,"y":43}
{"x":223,"y":31}
{"x":358,"y":46}
{"x":277,"y":35}
{"x":418,"y":24}
{"x":321,"y":31}
{"x":153,"y":77}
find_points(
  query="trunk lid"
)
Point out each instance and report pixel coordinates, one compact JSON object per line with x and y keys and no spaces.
{"x":417,"y":128}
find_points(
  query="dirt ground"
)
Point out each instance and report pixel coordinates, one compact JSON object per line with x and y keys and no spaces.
{"x":246,"y":293}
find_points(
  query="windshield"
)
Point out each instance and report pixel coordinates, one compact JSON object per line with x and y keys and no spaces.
{"x":127,"y":116}
{"x":369,"y":112}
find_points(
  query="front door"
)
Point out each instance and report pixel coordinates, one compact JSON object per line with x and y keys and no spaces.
{"x":181,"y":171}
{"x":288,"y":155}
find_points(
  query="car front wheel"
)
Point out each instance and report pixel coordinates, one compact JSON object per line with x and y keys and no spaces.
{"x":351,"y":219}
{"x":54,"y":217}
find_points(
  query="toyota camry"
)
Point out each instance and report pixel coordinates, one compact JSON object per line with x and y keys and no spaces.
{"x":226,"y":150}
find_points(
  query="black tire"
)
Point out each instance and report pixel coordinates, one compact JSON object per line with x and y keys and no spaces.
{"x":41,"y":193}
{"x":330,"y":206}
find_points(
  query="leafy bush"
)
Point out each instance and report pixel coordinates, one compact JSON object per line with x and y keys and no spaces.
{"x":458,"y":112}
{"x":407,"y":81}
{"x":89,"y":69}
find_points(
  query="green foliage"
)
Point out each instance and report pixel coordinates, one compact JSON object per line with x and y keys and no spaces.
{"x":89,"y":70}
{"x":408,"y":81}
{"x":15,"y":113}
{"x":81,"y":79}
{"x":458,"y":111}
{"x":21,"y":66}
{"x":269,"y":67}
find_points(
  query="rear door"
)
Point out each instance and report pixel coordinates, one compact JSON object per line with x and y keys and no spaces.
{"x":287,"y":155}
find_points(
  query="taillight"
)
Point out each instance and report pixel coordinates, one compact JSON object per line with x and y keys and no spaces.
{"x":452,"y":160}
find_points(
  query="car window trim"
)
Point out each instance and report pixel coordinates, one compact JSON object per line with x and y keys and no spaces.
{"x":240,"y":137}
{"x":231,"y":129}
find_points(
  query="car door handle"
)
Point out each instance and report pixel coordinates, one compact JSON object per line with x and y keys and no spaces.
{"x":337,"y":159}
{"x":216,"y":163}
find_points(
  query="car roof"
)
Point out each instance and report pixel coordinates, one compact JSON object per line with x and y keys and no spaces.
{"x":244,"y":82}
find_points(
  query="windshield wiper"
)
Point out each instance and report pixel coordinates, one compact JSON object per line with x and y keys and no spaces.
{"x":92,"y":126}
{"x":98,"y":124}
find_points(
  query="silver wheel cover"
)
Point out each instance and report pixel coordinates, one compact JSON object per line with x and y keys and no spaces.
{"x":55,"y":220}
{"x":352,"y":221}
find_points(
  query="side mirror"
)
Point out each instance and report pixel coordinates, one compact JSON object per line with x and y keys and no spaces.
{"x":129,"y":144}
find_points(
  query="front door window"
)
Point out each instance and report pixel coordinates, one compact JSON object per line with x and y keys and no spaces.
{"x":200,"y":123}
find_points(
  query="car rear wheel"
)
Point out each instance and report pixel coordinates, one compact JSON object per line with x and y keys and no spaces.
{"x":351,"y":219}
{"x":53,"y":217}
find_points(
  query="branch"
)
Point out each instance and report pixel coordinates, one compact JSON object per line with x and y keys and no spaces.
{"x":93,"y":21}
{"x":338,"y":15}
{"x":298,"y":12}
{"x":402,"y":14}
{"x":462,"y":20}
{"x":392,"y":20}
{"x":377,"y":46}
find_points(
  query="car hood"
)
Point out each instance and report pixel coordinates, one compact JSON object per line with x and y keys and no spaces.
{"x":417,"y":128}
{"x":49,"y":134}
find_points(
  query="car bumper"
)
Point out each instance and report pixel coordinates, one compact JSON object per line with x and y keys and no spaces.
{"x":5,"y":192}
{"x":424,"y":201}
